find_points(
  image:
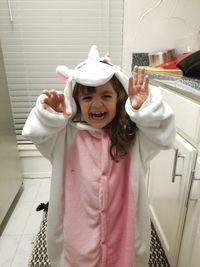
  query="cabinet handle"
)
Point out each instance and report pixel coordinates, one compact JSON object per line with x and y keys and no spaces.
{"x":192,"y":179}
{"x":176,"y":156}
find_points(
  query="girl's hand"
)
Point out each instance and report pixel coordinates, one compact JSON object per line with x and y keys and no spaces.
{"x":56,"y":100}
{"x":138,"y":88}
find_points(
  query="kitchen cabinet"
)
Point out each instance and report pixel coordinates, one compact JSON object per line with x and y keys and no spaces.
{"x":174,"y":186}
{"x":167,"y":191}
{"x":189,"y":253}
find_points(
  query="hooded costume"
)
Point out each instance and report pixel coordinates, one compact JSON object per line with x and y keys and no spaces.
{"x":98,"y":210}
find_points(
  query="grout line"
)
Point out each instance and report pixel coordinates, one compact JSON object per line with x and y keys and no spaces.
{"x":18,"y":243}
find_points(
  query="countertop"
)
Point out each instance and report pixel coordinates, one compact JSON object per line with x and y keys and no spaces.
{"x":188,"y":87}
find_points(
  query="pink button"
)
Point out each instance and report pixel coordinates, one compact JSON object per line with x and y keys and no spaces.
{"x":104,"y":173}
{"x":103,"y":211}
{"x":104,"y":135}
{"x":103,"y":242}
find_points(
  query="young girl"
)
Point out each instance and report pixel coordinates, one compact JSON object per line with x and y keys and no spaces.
{"x":99,"y":136}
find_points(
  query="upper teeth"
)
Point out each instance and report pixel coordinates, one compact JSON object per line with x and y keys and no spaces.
{"x":97,"y":113}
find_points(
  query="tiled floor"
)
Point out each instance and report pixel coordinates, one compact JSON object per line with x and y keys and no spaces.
{"x":17,"y":238}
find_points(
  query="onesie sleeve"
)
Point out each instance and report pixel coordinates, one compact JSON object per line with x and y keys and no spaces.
{"x":42,"y":126}
{"x":155,"y":122}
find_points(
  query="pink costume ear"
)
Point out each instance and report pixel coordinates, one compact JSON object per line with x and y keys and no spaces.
{"x":63,"y":73}
{"x":106,"y":59}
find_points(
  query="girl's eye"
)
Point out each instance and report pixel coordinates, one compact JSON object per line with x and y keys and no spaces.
{"x":86,"y":98}
{"x":107,"y":96}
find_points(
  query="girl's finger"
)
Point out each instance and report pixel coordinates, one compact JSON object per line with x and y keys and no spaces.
{"x":46,"y":92}
{"x":67,"y":112}
{"x":146,"y":82}
{"x":142,"y":75}
{"x":132,"y":87}
{"x":45,"y":100}
{"x":53,"y":94}
{"x":135,"y":75}
{"x":60,"y":96}
{"x":65,"y":109}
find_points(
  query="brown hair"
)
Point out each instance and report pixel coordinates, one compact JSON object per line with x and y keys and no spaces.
{"x":121,"y":129}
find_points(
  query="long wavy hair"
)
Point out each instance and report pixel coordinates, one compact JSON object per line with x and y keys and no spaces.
{"x":121,"y":129}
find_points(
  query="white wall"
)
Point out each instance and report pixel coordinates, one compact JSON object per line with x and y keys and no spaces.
{"x":151,"y":25}
{"x":33,"y":164}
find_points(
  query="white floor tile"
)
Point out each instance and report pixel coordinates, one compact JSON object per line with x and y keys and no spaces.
{"x":18,"y":219}
{"x":44,"y":190}
{"x":16,"y":242}
{"x":23,"y":252}
{"x":34,"y":220}
{"x":8,"y":248}
{"x":31,"y":188}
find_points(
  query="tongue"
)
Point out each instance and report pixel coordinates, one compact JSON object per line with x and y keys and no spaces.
{"x":98,"y":115}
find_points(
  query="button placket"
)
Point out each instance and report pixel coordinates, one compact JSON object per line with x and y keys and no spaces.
{"x":104,"y":199}
{"x":103,"y":216}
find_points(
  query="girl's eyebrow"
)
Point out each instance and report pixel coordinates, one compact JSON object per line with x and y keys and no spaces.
{"x":92,"y":93}
{"x":86,"y":93}
{"x":107,"y":92}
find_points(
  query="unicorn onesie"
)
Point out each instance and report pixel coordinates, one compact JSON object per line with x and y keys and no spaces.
{"x":98,"y":212}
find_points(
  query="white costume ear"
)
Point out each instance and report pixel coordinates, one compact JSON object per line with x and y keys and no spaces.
{"x":63,"y":73}
{"x":93,"y":53}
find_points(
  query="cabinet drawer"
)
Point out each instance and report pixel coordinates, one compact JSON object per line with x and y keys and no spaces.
{"x":187,"y":114}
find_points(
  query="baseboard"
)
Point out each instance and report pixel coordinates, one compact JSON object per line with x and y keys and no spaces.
{"x":32,"y":175}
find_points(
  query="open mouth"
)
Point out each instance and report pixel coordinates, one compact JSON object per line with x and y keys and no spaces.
{"x":98,"y":115}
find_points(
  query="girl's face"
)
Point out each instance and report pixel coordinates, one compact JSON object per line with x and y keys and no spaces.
{"x":98,"y":107}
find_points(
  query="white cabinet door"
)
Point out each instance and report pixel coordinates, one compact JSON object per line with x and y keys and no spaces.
{"x":187,"y":114}
{"x":168,"y":182}
{"x":190,"y":247}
